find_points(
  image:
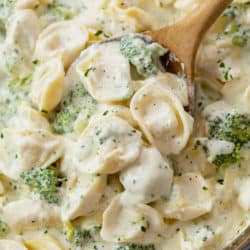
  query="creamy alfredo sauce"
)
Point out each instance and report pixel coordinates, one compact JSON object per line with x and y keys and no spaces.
{"x":97,"y":151}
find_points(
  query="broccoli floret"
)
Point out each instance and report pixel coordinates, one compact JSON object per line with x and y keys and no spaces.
{"x":77,"y":101}
{"x":45,"y":182}
{"x":79,"y":237}
{"x":240,"y":40}
{"x":136,"y":247}
{"x":144,"y":56}
{"x":20,"y":86}
{"x":4,"y":229}
{"x":235,"y":28}
{"x":61,"y":11}
{"x":63,"y":121}
{"x":234,"y":128}
{"x":17,"y":90}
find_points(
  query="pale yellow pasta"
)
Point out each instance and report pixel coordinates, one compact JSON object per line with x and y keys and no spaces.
{"x":24,"y":149}
{"x":126,"y":222}
{"x":132,"y":19}
{"x":238,"y":93}
{"x":48,"y":85}
{"x":170,"y":82}
{"x":26,"y":4}
{"x":11,"y":245}
{"x":100,"y":147}
{"x":162,"y":118}
{"x":243,"y":198}
{"x":106,"y":146}
{"x":29,"y":118}
{"x":43,"y":243}
{"x":30,"y":215}
{"x":148,"y":179}
{"x":116,"y":110}
{"x":178,"y":242}
{"x":20,"y":42}
{"x":105,"y":72}
{"x":190,"y":198}
{"x":55,"y":42}
{"x":83,"y":196}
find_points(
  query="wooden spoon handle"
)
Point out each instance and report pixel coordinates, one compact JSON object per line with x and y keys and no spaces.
{"x":191,"y":30}
{"x":200,"y":20}
{"x":184,"y":37}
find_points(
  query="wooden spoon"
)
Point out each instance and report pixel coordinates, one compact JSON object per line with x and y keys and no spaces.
{"x":183,"y":38}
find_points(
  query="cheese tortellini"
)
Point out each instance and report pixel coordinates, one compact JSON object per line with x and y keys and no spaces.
{"x":149,"y":178}
{"x":126,"y":222}
{"x":173,"y":83}
{"x":44,"y":243}
{"x":48,"y":85}
{"x":106,"y":146}
{"x":29,"y":118}
{"x":105,"y":72}
{"x":190,"y":198}
{"x":83,"y":196}
{"x":98,"y":145}
{"x":20,"y":42}
{"x":63,"y":39}
{"x":178,"y":242}
{"x":24,"y":149}
{"x":11,"y":245}
{"x":243,"y":198}
{"x":131,"y":19}
{"x":241,"y":92}
{"x":30,"y":214}
{"x":162,"y":118}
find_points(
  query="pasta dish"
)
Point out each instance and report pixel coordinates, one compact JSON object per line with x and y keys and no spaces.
{"x":98,"y":149}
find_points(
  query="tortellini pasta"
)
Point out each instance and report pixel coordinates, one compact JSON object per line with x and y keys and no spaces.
{"x":130,"y":19}
{"x":24,"y":149}
{"x":83,"y":196}
{"x":149,"y":178}
{"x":26,"y":4}
{"x":30,"y":214}
{"x":162,"y":118}
{"x":29,"y":118}
{"x":241,"y":93}
{"x":126,"y":222}
{"x":178,"y":242}
{"x":20,"y":42}
{"x":63,"y":39}
{"x":97,"y":147}
{"x":171,"y":82}
{"x":11,"y":245}
{"x":106,"y":146}
{"x":115,"y":110}
{"x":48,"y":85}
{"x":243,"y":198}
{"x":189,"y":199}
{"x":44,"y":243}
{"x":105,"y":72}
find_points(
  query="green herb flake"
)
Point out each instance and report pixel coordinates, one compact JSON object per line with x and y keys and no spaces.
{"x":86,"y":73}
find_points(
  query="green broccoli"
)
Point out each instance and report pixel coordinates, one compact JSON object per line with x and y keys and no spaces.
{"x":4,"y":229}
{"x":136,"y":247}
{"x":235,"y":28}
{"x":78,"y":101}
{"x":79,"y":237}
{"x":234,"y":128}
{"x":143,"y":55}
{"x":20,"y":86}
{"x":17,"y":91}
{"x":45,"y":182}
{"x":61,"y":11}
